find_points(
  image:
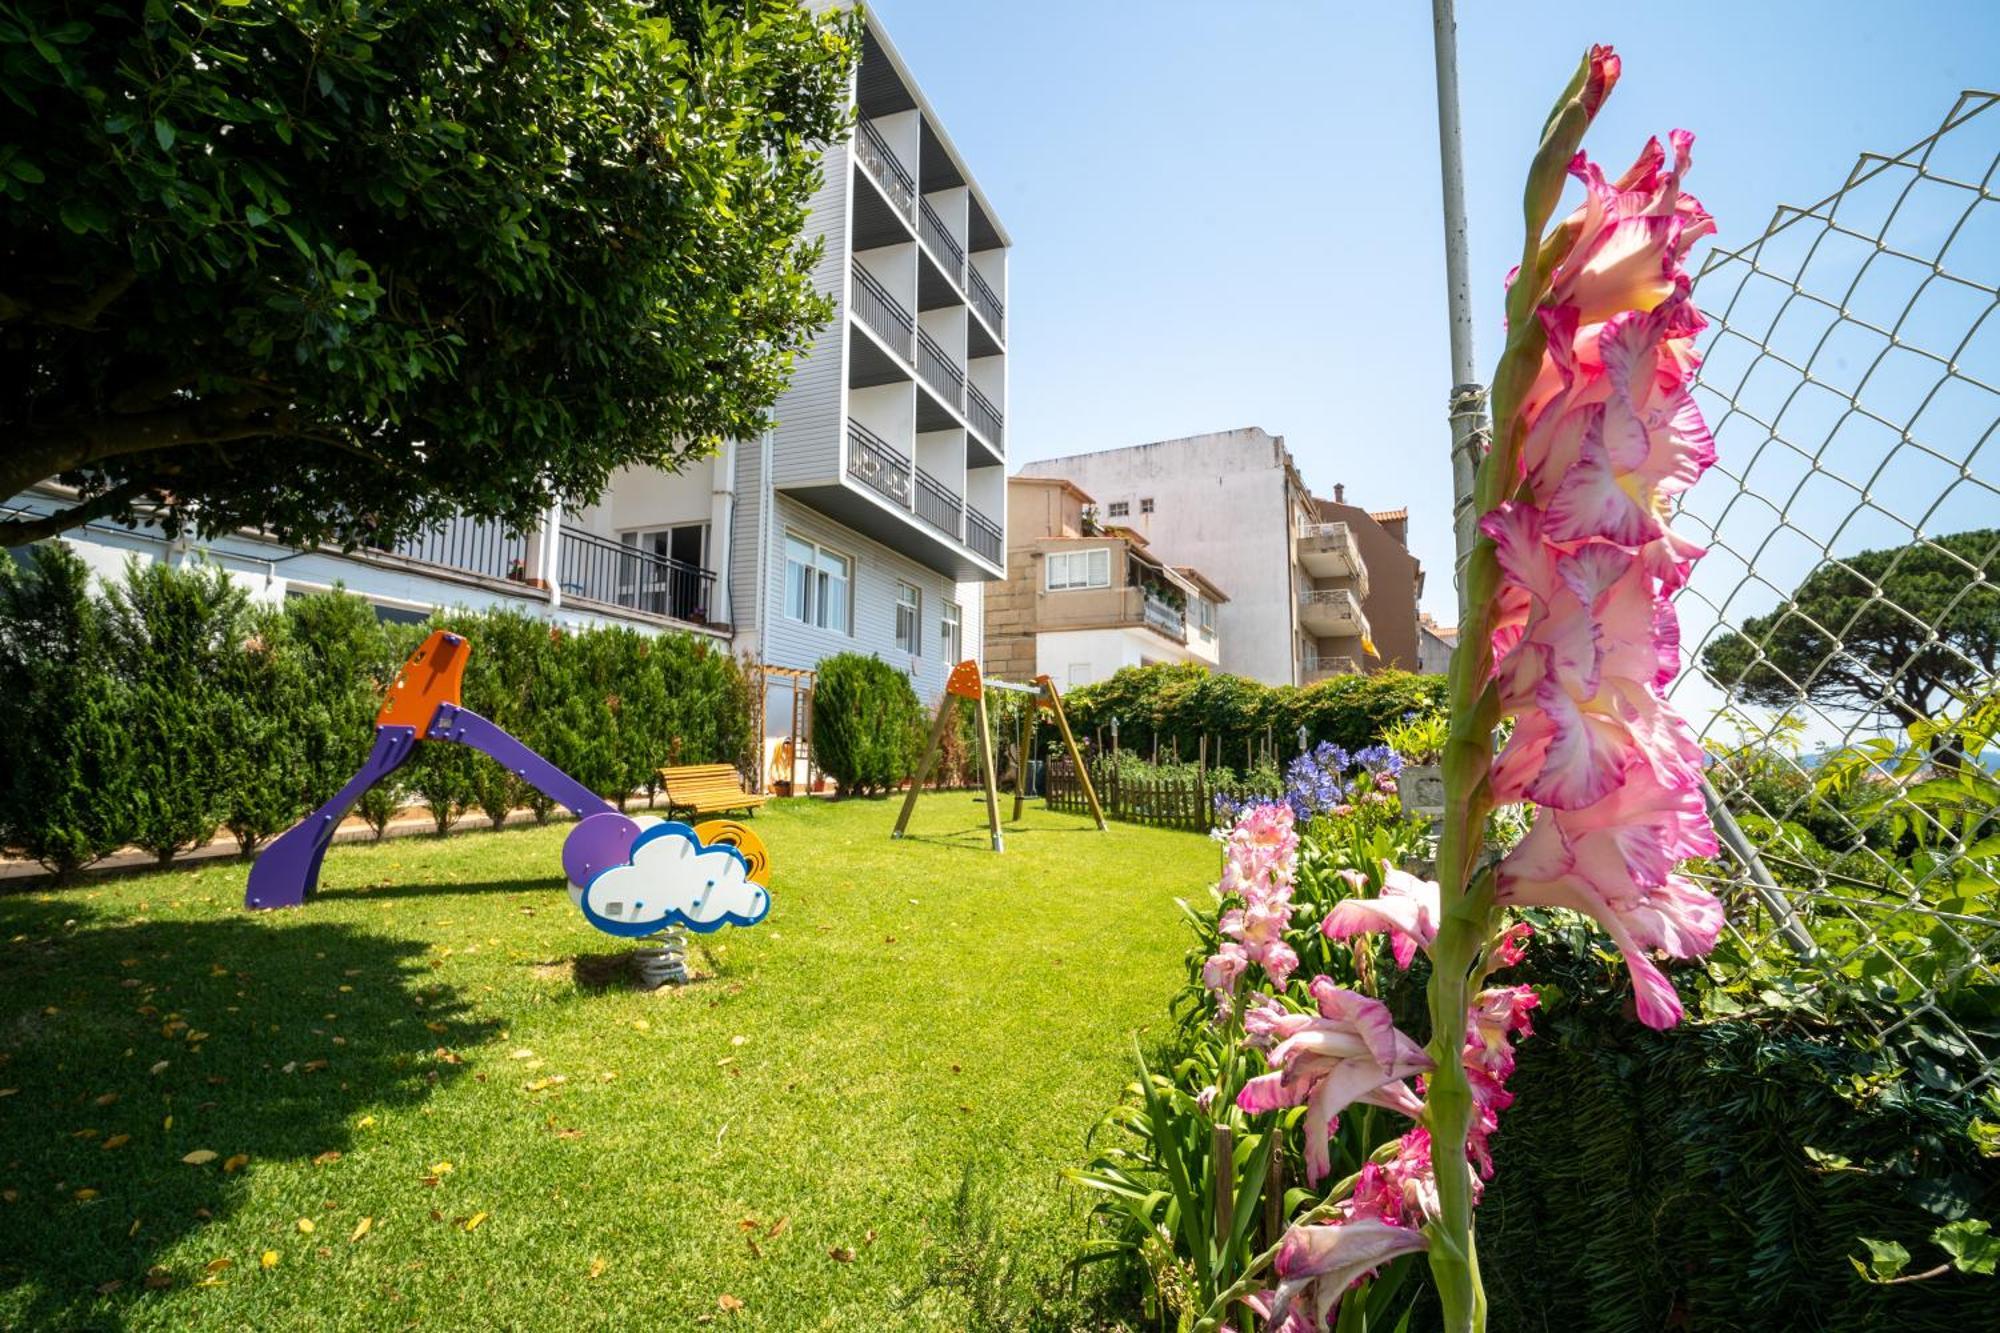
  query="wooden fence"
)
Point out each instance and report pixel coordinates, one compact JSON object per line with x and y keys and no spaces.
{"x":1183,"y":802}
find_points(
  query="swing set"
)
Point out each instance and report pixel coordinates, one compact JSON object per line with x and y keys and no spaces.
{"x":965,"y":685}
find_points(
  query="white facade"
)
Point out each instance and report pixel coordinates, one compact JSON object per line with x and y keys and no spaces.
{"x":1231,"y":504}
{"x":1073,"y":657}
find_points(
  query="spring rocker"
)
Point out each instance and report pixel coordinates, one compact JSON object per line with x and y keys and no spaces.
{"x":631,"y":876}
{"x":965,"y":684}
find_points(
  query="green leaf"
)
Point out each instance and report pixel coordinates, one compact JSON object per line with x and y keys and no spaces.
{"x":22,"y":169}
{"x":84,"y":215}
{"x":163,"y":132}
{"x":1886,"y":1259}
{"x":1972,"y":1247}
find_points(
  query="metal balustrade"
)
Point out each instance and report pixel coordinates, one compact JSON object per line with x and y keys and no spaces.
{"x":983,"y":535}
{"x":873,"y":460}
{"x":887,"y":169}
{"x":983,"y":416}
{"x":470,"y":545}
{"x":986,"y":303}
{"x":948,"y":252}
{"x":939,"y":370}
{"x":882,"y":312}
{"x":937,"y":506}
{"x":597,"y":569}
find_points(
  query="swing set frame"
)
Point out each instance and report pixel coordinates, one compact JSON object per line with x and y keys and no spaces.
{"x":966,"y":685}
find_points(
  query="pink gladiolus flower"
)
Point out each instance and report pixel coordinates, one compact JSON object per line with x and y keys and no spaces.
{"x":1223,"y":967}
{"x":1493,"y":1020}
{"x":1261,"y":853}
{"x":1351,"y":1053}
{"x":1268,"y":1022}
{"x":1512,"y":946}
{"x":1403,"y":1190}
{"x":1317,"y":1264}
{"x":1407,"y":909}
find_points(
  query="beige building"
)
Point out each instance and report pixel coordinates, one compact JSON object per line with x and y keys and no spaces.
{"x":1083,"y":598}
{"x":1232,"y":504}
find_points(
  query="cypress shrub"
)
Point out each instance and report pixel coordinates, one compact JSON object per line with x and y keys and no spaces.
{"x":346,"y":659}
{"x":65,"y":773}
{"x":265,"y":682}
{"x":868,"y":727}
{"x":175,"y":634}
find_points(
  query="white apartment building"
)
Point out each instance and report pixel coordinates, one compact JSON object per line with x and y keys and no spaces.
{"x":847,"y":527}
{"x":1232,"y":505}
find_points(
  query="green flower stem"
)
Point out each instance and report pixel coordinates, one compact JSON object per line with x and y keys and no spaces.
{"x":1465,"y":892}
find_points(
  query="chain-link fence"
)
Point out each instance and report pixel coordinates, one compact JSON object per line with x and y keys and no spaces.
{"x":1842,"y":635}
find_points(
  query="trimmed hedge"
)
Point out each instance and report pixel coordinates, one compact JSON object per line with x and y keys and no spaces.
{"x":1180,"y":704}
{"x":168,"y":707}
{"x":868,"y":728}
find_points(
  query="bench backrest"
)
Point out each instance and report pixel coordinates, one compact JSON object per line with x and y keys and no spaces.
{"x":702,"y":777}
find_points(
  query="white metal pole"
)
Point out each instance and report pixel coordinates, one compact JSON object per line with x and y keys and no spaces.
{"x":1468,"y":396}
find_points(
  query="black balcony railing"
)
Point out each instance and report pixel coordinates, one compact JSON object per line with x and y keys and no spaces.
{"x":982,"y":534}
{"x":599,"y":570}
{"x":471,"y":546}
{"x":887,"y":169}
{"x":872,"y":459}
{"x":882,"y":312}
{"x":939,"y":370}
{"x":937,"y":506}
{"x":937,"y":236}
{"x":986,"y":303}
{"x":985,"y":417}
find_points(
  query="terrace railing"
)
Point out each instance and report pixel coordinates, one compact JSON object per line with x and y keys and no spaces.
{"x":937,"y":506}
{"x":881,"y":311}
{"x":873,"y":460}
{"x":949,"y":254}
{"x":596,"y":569}
{"x":983,"y":535}
{"x":471,"y":546}
{"x":986,"y":303}
{"x":939,"y":371}
{"x":887,"y":169}
{"x":984,"y":417}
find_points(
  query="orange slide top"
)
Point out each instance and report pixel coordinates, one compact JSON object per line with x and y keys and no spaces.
{"x":430,"y":677}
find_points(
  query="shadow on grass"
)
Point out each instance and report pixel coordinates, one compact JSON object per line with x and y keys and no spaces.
{"x":551,"y":885}
{"x":132,"y":1044}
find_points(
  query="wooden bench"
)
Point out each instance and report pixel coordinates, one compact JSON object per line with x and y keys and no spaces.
{"x":703,"y":789}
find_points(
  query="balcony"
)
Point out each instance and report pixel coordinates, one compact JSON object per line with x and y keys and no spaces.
{"x":882,"y":313}
{"x":1329,"y":551}
{"x":937,"y":506}
{"x":1316,"y":669}
{"x":480,"y":546}
{"x":987,"y":304}
{"x":1332,"y":613}
{"x":1163,"y":616}
{"x":984,"y":418}
{"x":948,"y":253}
{"x":875,"y":462}
{"x":944,"y":375}
{"x":593,"y":568}
{"x":881,"y":162}
{"x":983,"y":535}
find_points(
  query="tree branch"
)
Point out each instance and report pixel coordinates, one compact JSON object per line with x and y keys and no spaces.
{"x":21,"y":531}
{"x":65,"y":446}
{"x":79,"y":314}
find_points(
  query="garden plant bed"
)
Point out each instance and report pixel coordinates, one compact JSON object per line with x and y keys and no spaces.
{"x":410,"y":1065}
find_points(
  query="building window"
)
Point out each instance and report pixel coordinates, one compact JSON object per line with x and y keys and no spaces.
{"x":816,"y":584}
{"x":1079,"y":674}
{"x":951,"y":635}
{"x":673,"y":582}
{"x":1146,"y":504}
{"x":1118,"y":508}
{"x":1079,"y":569}
{"x":1204,"y":617}
{"x":910,"y":619}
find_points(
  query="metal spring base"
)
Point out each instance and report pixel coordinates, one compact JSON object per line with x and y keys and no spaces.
{"x":664,"y":964}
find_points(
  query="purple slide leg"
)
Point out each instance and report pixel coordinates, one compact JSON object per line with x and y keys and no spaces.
{"x":453,"y":723}
{"x":288,"y":869}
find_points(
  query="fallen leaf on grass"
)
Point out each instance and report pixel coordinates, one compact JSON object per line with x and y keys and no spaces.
{"x":107,"y":1288}
{"x":437,"y":1027}
{"x":201,"y":1157}
{"x":217,"y":1265}
{"x":115,"y":1141}
{"x":306,"y":1225}
{"x":158,"y":1278}
{"x":841,"y":1254}
{"x":361,"y":1228}
{"x":641,"y":1025}
{"x":777,"y":1228}
{"x":237,"y":1162}
{"x":162,"y":1066}
{"x":365,"y":1122}
{"x":755,"y":1253}
{"x":597,"y":1267}
{"x":85,"y":1195}
{"x":441,"y":1168}
{"x":473,"y":1221}
{"x":107,"y":1099}
{"x":523,"y":1054}
{"x":728,"y":1304}
{"x":327,"y":1158}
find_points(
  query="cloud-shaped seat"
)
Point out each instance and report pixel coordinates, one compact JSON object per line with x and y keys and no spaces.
{"x":672,"y":879}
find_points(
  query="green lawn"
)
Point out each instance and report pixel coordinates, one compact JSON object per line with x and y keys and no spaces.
{"x":789,"y":1134}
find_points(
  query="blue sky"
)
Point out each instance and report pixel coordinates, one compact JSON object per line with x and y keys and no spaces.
{"x":1227,"y":214}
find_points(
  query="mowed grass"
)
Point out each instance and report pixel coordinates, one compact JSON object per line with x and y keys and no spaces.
{"x":448,"y":1117}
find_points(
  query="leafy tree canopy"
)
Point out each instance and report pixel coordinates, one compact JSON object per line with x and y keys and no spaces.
{"x":1857,"y":633}
{"x":339,"y":269}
